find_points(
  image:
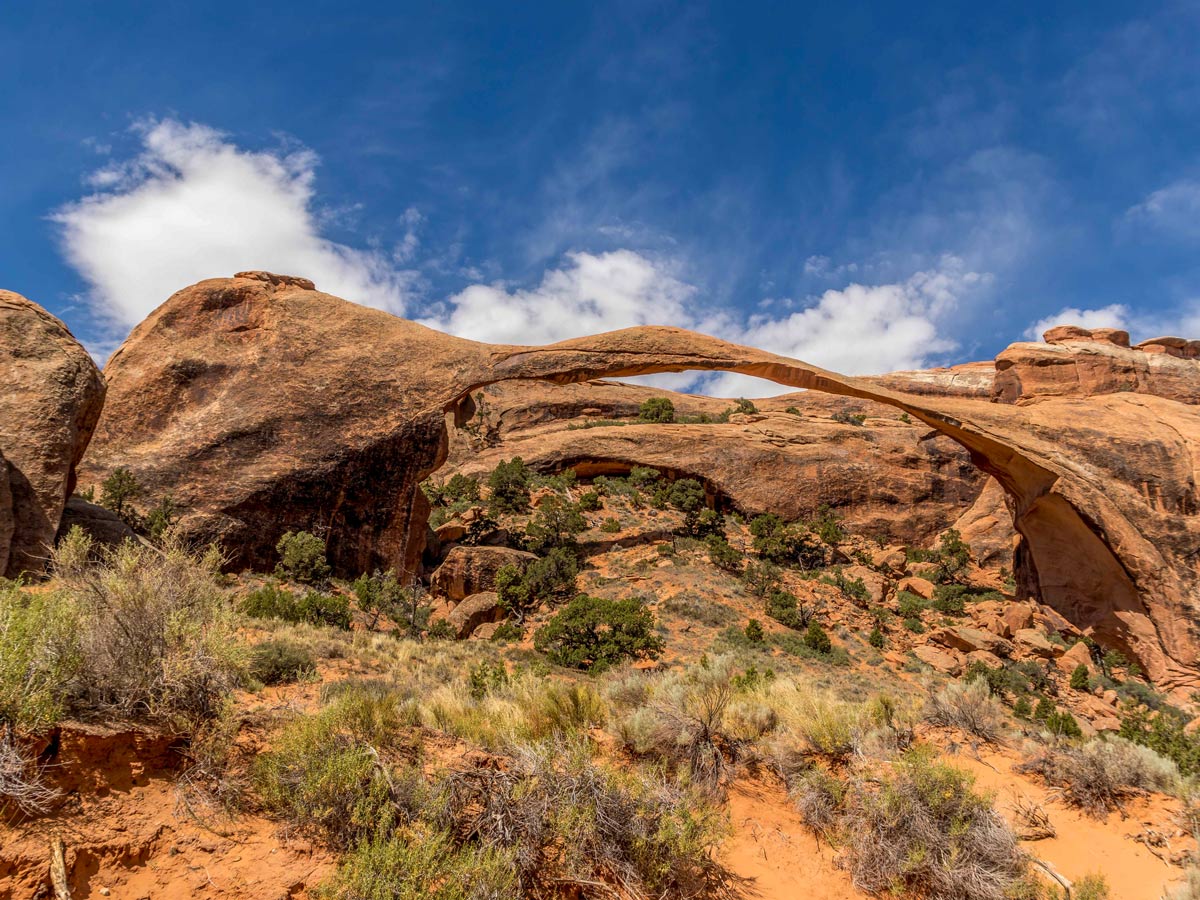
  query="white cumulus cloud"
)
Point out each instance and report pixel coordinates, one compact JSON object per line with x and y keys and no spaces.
{"x":193,"y":205}
{"x":1174,"y":210}
{"x":1115,"y":315}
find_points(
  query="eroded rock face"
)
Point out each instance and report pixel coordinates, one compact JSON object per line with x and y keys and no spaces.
{"x":472,"y":570}
{"x":886,"y":478}
{"x":1078,"y":362}
{"x":263,"y":405}
{"x":51,"y":398}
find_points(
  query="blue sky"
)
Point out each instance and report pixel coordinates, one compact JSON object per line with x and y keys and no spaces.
{"x":864,"y":186}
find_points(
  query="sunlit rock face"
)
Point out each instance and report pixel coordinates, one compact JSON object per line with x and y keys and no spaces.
{"x":260,"y":404}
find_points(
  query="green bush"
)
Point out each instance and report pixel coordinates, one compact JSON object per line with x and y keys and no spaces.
{"x":1080,"y":678}
{"x":273,"y":602}
{"x":610,"y":526}
{"x":595,"y":633}
{"x":280,"y":662}
{"x":788,"y":609}
{"x":846,"y":418}
{"x":817,"y":640}
{"x":382,"y":596}
{"x":762,"y":578}
{"x":589,"y":501}
{"x":509,"y":484}
{"x":550,"y":578}
{"x":723,"y":554}
{"x":754,"y":632}
{"x":554,"y":525}
{"x":426,"y":865}
{"x":39,"y":656}
{"x":853,"y":588}
{"x":1091,"y":887}
{"x":506,"y":632}
{"x":657,"y":409}
{"x":924,"y":831}
{"x":302,"y":558}
{"x":826,"y":525}
{"x":1166,"y":733}
{"x":644,"y":476}
{"x":156,"y":633}
{"x":875,"y":638}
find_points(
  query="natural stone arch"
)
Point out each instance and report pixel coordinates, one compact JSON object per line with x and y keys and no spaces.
{"x":260,"y":403}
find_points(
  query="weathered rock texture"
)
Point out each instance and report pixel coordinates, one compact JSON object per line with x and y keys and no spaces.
{"x":51,"y":399}
{"x":261,"y":404}
{"x":885,"y":478}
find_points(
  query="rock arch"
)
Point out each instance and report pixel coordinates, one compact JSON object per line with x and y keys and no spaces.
{"x":260,"y":404}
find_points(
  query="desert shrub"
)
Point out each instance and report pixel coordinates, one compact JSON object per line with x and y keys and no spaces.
{"x":1091,"y":887}
{"x":910,"y":605}
{"x":156,"y":630}
{"x":1100,"y":775}
{"x":423,"y":865}
{"x":686,"y":494}
{"x":21,"y":785}
{"x":564,"y":709}
{"x":1080,"y":678}
{"x":382,"y":596}
{"x":761,"y":578}
{"x":816,"y":639}
{"x":610,"y":525}
{"x":657,"y":409}
{"x":1001,"y":680}
{"x":875,"y":638}
{"x":754,"y":632}
{"x":703,"y":522}
{"x":846,"y":418}
{"x":644,"y":477}
{"x":461,"y":489}
{"x":161,"y":518}
{"x":953,"y":556}
{"x":924,"y":831}
{"x":744,"y":406}
{"x":441,"y":630}
{"x":1166,"y":733}
{"x":1062,"y":724}
{"x":554,"y":525}
{"x":595,"y":633}
{"x":565,"y":821}
{"x":324,"y":773}
{"x":785,"y":544}
{"x":280,"y":662}
{"x":507,"y":631}
{"x":818,"y":796}
{"x":1190,"y":889}
{"x":723,"y":554}
{"x":302,"y":558}
{"x":826,"y":525}
{"x":703,"y":609}
{"x":969,"y":707}
{"x":273,"y":602}
{"x":684,"y":722}
{"x":853,"y":588}
{"x":509,"y":485}
{"x":795,"y":612}
{"x":589,"y":501}
{"x":39,"y":655}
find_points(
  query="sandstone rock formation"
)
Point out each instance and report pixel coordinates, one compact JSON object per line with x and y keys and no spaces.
{"x":261,"y":404}
{"x":51,"y":399}
{"x":1078,"y":362}
{"x":472,"y":570}
{"x":886,"y":478}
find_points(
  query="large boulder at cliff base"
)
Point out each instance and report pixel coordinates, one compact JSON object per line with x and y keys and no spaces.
{"x":49,"y":406}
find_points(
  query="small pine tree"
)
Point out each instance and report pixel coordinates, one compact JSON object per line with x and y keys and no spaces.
{"x":1022,"y":709}
{"x":118,"y":489}
{"x":875,"y":638}
{"x":754,"y":632}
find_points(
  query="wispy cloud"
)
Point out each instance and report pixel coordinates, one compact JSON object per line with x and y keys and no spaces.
{"x":1173,"y":210}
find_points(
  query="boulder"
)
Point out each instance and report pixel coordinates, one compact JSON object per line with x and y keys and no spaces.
{"x":991,"y":660}
{"x":876,"y":584}
{"x":1017,"y":616}
{"x":450,"y":532}
{"x":51,"y":398}
{"x":970,"y":639}
{"x":262,"y":405}
{"x":920,"y":586}
{"x":891,"y":558}
{"x":1032,"y":642}
{"x":1078,"y":654}
{"x":995,"y":624}
{"x":474,"y":611}
{"x":988,"y":527}
{"x":942,"y":660}
{"x":472,"y":570}
{"x":103,"y":525}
